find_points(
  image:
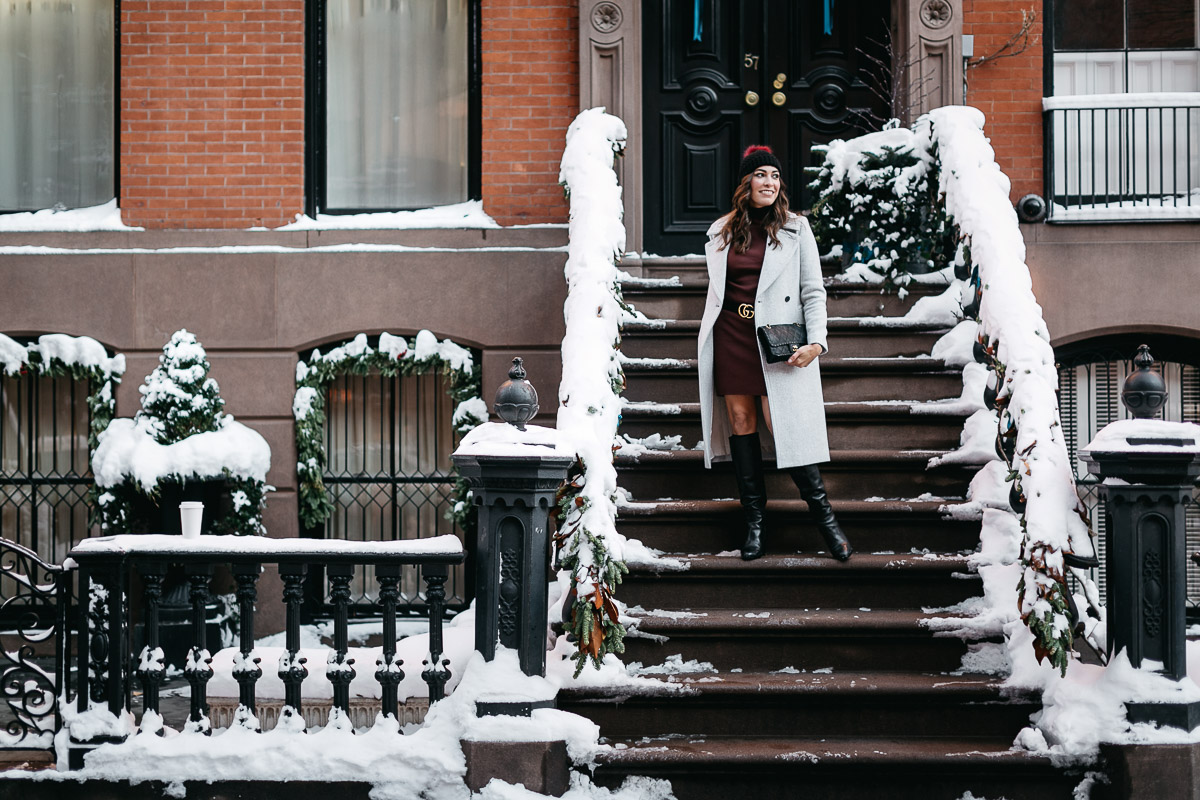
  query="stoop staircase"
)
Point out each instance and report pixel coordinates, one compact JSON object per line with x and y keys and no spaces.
{"x":826,"y":683}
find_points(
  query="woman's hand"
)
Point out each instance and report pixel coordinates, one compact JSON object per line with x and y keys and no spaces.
{"x":805,"y":355}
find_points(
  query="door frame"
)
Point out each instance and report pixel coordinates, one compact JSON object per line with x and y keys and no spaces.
{"x":610,"y":57}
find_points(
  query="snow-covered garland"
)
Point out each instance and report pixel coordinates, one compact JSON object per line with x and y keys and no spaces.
{"x":82,"y":358}
{"x":589,"y":409}
{"x":1003,"y":344}
{"x":391,"y":357}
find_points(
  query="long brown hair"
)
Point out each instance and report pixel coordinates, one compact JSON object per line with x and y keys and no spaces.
{"x":737,"y":225}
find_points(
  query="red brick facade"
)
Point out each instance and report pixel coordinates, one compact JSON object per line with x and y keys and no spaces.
{"x":530,"y":96}
{"x":212,"y":112}
{"x":1008,"y":90}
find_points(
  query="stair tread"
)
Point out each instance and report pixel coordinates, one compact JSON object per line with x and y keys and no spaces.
{"x":877,"y":324}
{"x":687,"y":457}
{"x":706,"y":508}
{"x":791,"y":620}
{"x":708,"y":751}
{"x":703,"y":564}
{"x":917,"y":364}
{"x":694,"y":281}
{"x":862,"y":684}
{"x":904,"y":409}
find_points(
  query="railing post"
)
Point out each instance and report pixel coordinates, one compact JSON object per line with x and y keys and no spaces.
{"x":197,"y":669}
{"x":1154,"y":465}
{"x":514,"y":487}
{"x":291,"y":665}
{"x":246,"y":669}
{"x":388,"y":671}
{"x":152,"y":670}
{"x":338,"y":668}
{"x":436,"y":671}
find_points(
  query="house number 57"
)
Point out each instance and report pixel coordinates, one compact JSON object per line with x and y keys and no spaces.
{"x":751,"y":61}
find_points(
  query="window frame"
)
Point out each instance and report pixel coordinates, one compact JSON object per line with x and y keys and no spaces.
{"x":315,"y":139}
{"x":116,"y":153}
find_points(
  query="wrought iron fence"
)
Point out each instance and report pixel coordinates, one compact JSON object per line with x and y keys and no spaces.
{"x":45,"y":476}
{"x":1128,"y":156}
{"x":388,"y":472}
{"x":1089,"y":388}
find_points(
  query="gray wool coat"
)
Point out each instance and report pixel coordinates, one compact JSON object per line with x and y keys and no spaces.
{"x":790,"y":289}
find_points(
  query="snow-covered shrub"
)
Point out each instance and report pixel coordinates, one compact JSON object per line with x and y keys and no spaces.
{"x":877,"y":202}
{"x":180,"y":434}
{"x":589,"y":408}
{"x":391,"y":357}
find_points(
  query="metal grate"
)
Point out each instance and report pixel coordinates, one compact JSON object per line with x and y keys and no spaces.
{"x":45,"y":475}
{"x":1089,"y":394}
{"x":389,"y":473}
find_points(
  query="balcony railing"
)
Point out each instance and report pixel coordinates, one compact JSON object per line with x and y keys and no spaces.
{"x":1114,"y":157}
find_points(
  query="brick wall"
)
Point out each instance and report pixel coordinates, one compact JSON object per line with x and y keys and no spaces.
{"x":1008,"y":90}
{"x":530,"y":96}
{"x":212,"y":112}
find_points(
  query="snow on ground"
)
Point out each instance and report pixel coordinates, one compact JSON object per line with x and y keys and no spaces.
{"x":459,"y":215}
{"x":104,"y":217}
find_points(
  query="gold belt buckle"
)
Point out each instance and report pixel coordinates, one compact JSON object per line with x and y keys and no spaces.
{"x":746,"y":311}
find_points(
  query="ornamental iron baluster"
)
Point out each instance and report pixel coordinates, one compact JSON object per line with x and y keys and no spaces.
{"x":388,"y":671}
{"x":338,"y":668}
{"x":151,"y":670}
{"x":291,"y":665}
{"x":246,"y":669}
{"x":198,"y":670}
{"x":437,"y":670}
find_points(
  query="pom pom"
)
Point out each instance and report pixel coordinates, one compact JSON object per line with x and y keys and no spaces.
{"x":757,"y":148}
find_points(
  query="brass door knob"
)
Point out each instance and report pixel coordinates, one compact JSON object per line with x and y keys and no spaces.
{"x":779,"y":98}
{"x":751,"y":98}
{"x":780,"y":80}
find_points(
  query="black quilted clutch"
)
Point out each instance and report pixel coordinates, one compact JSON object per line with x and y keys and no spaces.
{"x":780,"y":341}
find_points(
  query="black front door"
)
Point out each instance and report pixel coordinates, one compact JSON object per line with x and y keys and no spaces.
{"x":721,"y":75}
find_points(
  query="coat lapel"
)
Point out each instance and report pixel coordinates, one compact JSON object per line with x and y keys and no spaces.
{"x":776,"y":259}
{"x":716,"y":257}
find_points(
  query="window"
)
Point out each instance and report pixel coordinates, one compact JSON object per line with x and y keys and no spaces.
{"x":44,"y":471}
{"x":1089,"y":389}
{"x":388,"y":443}
{"x":1117,"y":46}
{"x":394,"y":103}
{"x":57,"y":104}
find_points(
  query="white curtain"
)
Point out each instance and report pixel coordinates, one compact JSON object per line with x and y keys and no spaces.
{"x":396,"y":103}
{"x":56,"y":103}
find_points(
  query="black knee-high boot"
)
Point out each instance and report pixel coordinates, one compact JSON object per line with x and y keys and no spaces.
{"x":746,"y":453}
{"x":812,"y":489}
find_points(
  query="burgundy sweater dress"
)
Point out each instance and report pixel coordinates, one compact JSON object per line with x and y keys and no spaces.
{"x":737,"y":366}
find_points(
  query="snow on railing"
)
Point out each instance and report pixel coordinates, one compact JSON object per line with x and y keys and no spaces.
{"x":589,"y":408}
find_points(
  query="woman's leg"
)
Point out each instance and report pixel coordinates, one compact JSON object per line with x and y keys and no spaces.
{"x":812,"y":490}
{"x":745,"y":451}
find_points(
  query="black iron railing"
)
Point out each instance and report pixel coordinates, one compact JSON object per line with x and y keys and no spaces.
{"x":106,"y":566}
{"x":1132,"y":156}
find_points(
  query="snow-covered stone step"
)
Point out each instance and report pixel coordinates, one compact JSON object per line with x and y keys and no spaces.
{"x":849,"y":474}
{"x":848,"y":337}
{"x":685,"y":299}
{"x":765,"y":639}
{"x":794,"y":702}
{"x":792,"y":580}
{"x":704,"y":767}
{"x":714,"y":526}
{"x":842,"y":379}
{"x":851,"y":426}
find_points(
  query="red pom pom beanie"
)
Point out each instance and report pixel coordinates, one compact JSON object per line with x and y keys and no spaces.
{"x":757,"y":155}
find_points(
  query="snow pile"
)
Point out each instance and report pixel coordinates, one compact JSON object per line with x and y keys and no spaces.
{"x":71,"y":352}
{"x":104,"y":217}
{"x":129,"y":450}
{"x":589,"y":402}
{"x":502,"y":439}
{"x":1119,"y":437}
{"x":459,"y":215}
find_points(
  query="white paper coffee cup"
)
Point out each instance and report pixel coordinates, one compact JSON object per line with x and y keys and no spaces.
{"x":191,"y":515}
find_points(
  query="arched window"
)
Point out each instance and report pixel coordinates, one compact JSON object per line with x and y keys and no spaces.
{"x":1089,"y":391}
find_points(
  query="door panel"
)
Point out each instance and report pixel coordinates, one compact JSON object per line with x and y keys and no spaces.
{"x":698,"y":115}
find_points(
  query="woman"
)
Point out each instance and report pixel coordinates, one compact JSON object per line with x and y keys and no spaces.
{"x":763,"y":269}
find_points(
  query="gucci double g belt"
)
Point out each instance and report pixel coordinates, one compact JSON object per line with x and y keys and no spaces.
{"x":743,"y":310}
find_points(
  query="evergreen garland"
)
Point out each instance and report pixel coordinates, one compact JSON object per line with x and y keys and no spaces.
{"x":391,"y":357}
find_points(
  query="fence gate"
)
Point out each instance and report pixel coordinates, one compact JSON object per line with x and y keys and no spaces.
{"x":34,"y":648}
